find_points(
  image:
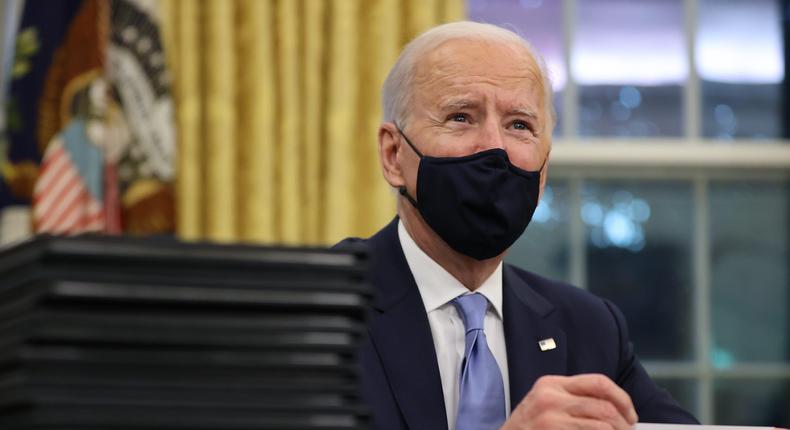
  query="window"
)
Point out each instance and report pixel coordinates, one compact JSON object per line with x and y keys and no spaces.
{"x":669,"y":190}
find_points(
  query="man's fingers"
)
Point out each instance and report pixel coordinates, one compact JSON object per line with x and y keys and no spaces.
{"x":575,"y":402}
{"x":597,"y":409}
{"x":601,"y":387}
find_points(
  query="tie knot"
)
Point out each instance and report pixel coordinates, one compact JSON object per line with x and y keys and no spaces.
{"x":472,"y":308}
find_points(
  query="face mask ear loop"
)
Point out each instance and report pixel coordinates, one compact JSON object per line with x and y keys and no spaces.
{"x":545,"y":160}
{"x":414,"y":148}
{"x":404,"y":193}
{"x":543,"y":165}
{"x":402,"y":189}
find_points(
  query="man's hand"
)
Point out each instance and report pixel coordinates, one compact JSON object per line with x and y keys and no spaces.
{"x":589,"y":401}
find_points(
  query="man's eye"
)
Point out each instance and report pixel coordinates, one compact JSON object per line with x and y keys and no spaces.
{"x":520,"y":125}
{"x":458,"y":117}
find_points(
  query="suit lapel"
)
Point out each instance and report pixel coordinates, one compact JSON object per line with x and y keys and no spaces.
{"x":401,"y":334}
{"x":527,"y":320}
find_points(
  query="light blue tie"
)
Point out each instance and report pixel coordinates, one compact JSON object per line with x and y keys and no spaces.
{"x":482,"y":400}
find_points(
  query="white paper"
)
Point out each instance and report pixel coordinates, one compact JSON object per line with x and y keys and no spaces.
{"x":645,"y":426}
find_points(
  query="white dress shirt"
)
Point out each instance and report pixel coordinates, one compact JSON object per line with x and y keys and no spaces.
{"x":438,"y":288}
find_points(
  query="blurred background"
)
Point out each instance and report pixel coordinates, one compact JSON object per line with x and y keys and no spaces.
{"x":255,"y":121}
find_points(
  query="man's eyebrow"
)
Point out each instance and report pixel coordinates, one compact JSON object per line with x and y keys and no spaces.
{"x":458,"y":103}
{"x":523,"y":111}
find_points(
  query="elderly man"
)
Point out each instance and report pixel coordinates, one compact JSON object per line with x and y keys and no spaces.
{"x":457,"y":339}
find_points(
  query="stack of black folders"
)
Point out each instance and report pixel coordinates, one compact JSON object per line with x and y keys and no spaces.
{"x":121,"y":333}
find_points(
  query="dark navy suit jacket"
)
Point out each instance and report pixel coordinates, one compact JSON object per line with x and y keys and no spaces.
{"x":400,"y":374}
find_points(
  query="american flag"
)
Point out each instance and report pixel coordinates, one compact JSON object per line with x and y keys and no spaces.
{"x":67,"y":197}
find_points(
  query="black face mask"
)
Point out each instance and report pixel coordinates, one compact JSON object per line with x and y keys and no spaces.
{"x":479,"y":204}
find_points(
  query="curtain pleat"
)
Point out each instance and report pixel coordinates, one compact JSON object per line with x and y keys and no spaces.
{"x":219,"y":119}
{"x":277,"y":113}
{"x":290,"y":149}
{"x":313,"y":101}
{"x":257,"y":126}
{"x":181,"y":29}
{"x":420,"y":15}
{"x":340,"y":186}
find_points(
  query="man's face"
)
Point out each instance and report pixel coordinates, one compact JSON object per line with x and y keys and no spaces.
{"x":470,"y":96}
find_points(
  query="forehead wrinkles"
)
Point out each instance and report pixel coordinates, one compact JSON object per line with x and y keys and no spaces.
{"x":462,"y":62}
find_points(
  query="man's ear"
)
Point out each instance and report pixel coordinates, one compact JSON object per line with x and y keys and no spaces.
{"x":389,"y":145}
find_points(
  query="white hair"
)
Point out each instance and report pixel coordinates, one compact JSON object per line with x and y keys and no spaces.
{"x":397,"y":91}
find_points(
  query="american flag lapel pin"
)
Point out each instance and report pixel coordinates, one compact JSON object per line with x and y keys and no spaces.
{"x":547,"y":344}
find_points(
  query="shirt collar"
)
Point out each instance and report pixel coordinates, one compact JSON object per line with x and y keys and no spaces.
{"x":437,"y":286}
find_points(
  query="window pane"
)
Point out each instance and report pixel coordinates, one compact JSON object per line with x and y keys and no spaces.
{"x":762,"y":402}
{"x":749,"y":258}
{"x":639,"y":253}
{"x":740,"y":61}
{"x":538,"y":21}
{"x":543,"y":248}
{"x":628,"y":110}
{"x":630,"y":63}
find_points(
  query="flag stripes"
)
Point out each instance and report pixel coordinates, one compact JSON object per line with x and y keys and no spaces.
{"x":62,"y":204}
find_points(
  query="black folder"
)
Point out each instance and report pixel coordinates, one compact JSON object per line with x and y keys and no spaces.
{"x":131,"y":333}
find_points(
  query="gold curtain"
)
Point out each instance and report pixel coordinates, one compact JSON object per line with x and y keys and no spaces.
{"x":277,"y":107}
